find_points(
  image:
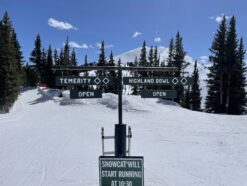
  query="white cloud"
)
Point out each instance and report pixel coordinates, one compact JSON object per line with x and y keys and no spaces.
{"x":157,"y":39}
{"x":106,"y":45}
{"x":60,"y":24}
{"x":218,"y":19}
{"x":73,"y":44}
{"x":136,"y":34}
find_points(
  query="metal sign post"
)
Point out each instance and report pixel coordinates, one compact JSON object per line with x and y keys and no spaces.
{"x":120,"y":170}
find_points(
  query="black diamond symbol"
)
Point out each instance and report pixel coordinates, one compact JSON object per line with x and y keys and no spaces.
{"x":184,"y":81}
{"x":175,"y":81}
{"x":106,"y":80}
{"x":97,"y":81}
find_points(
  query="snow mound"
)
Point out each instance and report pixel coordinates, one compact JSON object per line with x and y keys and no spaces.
{"x":109,"y":100}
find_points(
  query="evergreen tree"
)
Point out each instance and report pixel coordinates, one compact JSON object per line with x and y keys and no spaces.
{"x":240,"y":101}
{"x":56,"y":58}
{"x":50,"y":79}
{"x":86,"y":64}
{"x":236,"y":94}
{"x":151,"y":60}
{"x":73,"y":58}
{"x":156,"y":57}
{"x":73,"y":62}
{"x":35,"y":57}
{"x":31,"y":79}
{"x":43,"y":75}
{"x":187,"y":98}
{"x":143,"y":62}
{"x":19,"y":56}
{"x":135,"y":89}
{"x":9,"y":65}
{"x":170,"y":59}
{"x":181,"y":64}
{"x":179,"y":55}
{"x":61,"y":57}
{"x":113,"y":75}
{"x":143,"y":56}
{"x":216,"y":82}
{"x":226,"y":79}
{"x":195,"y":95}
{"x":102,"y":62}
{"x":66,"y":53}
{"x":151,"y":57}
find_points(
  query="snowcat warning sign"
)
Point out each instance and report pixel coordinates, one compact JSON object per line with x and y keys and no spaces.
{"x":115,"y":171}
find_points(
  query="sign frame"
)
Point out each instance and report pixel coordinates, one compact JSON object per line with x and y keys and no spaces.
{"x":74,"y":93}
{"x":82,"y":80}
{"x":171,"y":94}
{"x":125,"y":158}
{"x":161,"y":81}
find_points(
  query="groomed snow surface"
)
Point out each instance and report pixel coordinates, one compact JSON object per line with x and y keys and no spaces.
{"x":50,"y":141}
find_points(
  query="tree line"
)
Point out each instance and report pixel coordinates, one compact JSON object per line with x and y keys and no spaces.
{"x":226,"y":80}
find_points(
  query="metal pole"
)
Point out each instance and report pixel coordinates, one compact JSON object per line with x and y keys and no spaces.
{"x":120,"y":128}
{"x":120,"y":112}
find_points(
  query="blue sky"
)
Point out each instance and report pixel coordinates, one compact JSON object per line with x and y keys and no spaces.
{"x":122,"y":24}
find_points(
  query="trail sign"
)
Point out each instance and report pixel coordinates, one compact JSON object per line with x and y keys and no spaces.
{"x":127,"y":171}
{"x":159,"y":94}
{"x":157,"y":81}
{"x":77,"y":94}
{"x":78,"y":80}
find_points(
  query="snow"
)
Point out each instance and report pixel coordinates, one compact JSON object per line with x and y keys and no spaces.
{"x":45,"y":142}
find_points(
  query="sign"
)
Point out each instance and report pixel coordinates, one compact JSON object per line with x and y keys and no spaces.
{"x":78,"y":80}
{"x":126,"y":171}
{"x":82,"y":94}
{"x":159,"y":94}
{"x":158,"y":81}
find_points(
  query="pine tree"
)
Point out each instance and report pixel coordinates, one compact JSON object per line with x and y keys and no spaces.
{"x":31,"y":78}
{"x":170,"y":59}
{"x":56,"y":58}
{"x":43,"y":76}
{"x":135,"y":89}
{"x":73,"y":62}
{"x":156,"y":57}
{"x":215,"y":101}
{"x":50,"y":79}
{"x":9,"y":65}
{"x":179,"y":55}
{"x":113,"y":75}
{"x":226,"y":79}
{"x":61,"y":57}
{"x":143,"y":56}
{"x":86,"y":64}
{"x":187,"y":98}
{"x":19,"y":57}
{"x":66,"y":53}
{"x":241,"y":69}
{"x":73,"y":58}
{"x":195,"y":95}
{"x":235,"y":72}
{"x":151,"y":57}
{"x":35,"y":57}
{"x":181,"y":64}
{"x":102,"y":62}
